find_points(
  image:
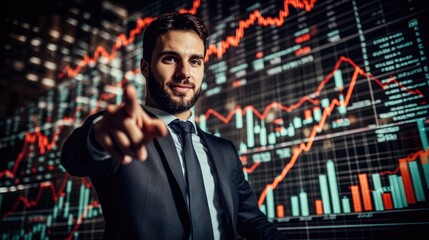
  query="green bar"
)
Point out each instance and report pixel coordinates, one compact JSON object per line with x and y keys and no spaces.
{"x":346,"y":205}
{"x":297,"y":122}
{"x":263,"y":134}
{"x":324,"y":192}
{"x":333,"y":187}
{"x":422,"y":133}
{"x":426,"y":173}
{"x":60,"y":202}
{"x":338,"y":78}
{"x":81,"y":199}
{"x":291,"y":130}
{"x":303,"y":199}
{"x":249,"y":128}
{"x":270,"y":204}
{"x":203,"y":122}
{"x":417,"y":181}
{"x":272,"y":138}
{"x":325,"y":102}
{"x":263,"y":209}
{"x":396,"y":196}
{"x":402,"y":195}
{"x":295,"y":206}
{"x":378,"y":191}
{"x":317,"y":113}
{"x":238,"y":119}
{"x":342,"y":108}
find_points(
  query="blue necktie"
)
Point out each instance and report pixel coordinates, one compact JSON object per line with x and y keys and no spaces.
{"x":198,"y":208}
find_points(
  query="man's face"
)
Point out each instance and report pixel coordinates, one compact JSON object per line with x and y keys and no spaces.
{"x":176,"y":71}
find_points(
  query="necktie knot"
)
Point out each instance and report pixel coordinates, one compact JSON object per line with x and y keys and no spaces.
{"x":182,"y":127}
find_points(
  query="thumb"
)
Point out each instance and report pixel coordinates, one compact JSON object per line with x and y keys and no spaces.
{"x":131,"y":102}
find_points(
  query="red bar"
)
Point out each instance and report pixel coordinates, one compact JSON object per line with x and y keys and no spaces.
{"x":319,"y":206}
{"x":357,"y":205}
{"x":387,"y":201}
{"x":280,"y":211}
{"x":406,"y":178}
{"x":366,"y":193}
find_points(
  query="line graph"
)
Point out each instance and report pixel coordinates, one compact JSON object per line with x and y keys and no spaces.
{"x":333,"y":135}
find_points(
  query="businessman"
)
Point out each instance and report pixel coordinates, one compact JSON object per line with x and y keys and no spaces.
{"x":156,"y":173}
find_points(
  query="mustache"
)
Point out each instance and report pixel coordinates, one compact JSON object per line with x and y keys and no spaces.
{"x":182,"y":82}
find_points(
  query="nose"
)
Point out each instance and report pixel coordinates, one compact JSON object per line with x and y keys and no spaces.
{"x":183,"y":70}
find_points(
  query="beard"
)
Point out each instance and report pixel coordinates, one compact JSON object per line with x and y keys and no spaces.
{"x":166,"y":102}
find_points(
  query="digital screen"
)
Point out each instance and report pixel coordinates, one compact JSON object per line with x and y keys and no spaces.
{"x":326,"y":101}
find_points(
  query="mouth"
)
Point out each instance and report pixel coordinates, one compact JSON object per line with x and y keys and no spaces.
{"x":181,"y":88}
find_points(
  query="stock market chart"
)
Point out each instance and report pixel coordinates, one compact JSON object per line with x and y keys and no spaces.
{"x":326,"y":101}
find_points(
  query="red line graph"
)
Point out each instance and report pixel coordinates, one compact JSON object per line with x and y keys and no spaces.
{"x":121,"y":41}
{"x":231,"y":41}
{"x":42,"y":142}
{"x":326,"y":112}
{"x":309,"y":98}
{"x":32,"y":203}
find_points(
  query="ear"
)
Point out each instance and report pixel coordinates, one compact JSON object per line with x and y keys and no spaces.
{"x":144,"y":68}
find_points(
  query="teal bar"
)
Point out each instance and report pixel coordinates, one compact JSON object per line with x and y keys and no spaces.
{"x":426,"y":173}
{"x":270,"y":204}
{"x":417,"y":181}
{"x":43,"y":231}
{"x":295,"y":206}
{"x":317,"y":113}
{"x":303,"y":200}
{"x":243,"y":147}
{"x":376,"y":179}
{"x":249,"y":128}
{"x":297,"y":122}
{"x":238,"y":119}
{"x":55,"y":212}
{"x":203,"y":123}
{"x":263,"y":209}
{"x":342,"y":108}
{"x":70,"y":222}
{"x":81,"y":199}
{"x":49,"y":221}
{"x":324,"y":191}
{"x":378,"y":192}
{"x":86,"y":199}
{"x":402,"y":191}
{"x":325,"y":102}
{"x":246,"y":176}
{"x":346,"y":205}
{"x":60,"y":202}
{"x":66,"y":209}
{"x":263,"y":135}
{"x":272,"y":138}
{"x":338,"y":78}
{"x":378,"y":200}
{"x":396,"y":196}
{"x":422,"y":133}
{"x":291,"y":130}
{"x":333,"y":187}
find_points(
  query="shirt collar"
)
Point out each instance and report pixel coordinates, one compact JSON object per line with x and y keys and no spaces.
{"x":167,"y":118}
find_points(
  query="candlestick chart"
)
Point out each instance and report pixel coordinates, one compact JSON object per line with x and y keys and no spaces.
{"x":326,"y":101}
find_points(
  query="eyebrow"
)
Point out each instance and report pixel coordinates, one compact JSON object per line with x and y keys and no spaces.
{"x":198,"y":56}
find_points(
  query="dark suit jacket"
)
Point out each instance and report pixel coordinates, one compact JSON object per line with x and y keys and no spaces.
{"x":146,"y":200}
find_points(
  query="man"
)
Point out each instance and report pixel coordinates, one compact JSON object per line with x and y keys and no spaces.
{"x":154,"y":198}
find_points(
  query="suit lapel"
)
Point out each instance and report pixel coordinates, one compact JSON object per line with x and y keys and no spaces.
{"x":170,"y":155}
{"x":167,"y":150}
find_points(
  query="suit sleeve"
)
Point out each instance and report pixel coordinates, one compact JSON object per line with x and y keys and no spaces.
{"x":251,"y":222}
{"x":75,"y":157}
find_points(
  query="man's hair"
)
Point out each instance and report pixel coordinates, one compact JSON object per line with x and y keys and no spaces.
{"x":172,"y":21}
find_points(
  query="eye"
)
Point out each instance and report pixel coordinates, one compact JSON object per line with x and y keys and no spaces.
{"x":195,"y":62}
{"x":169,"y":59}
